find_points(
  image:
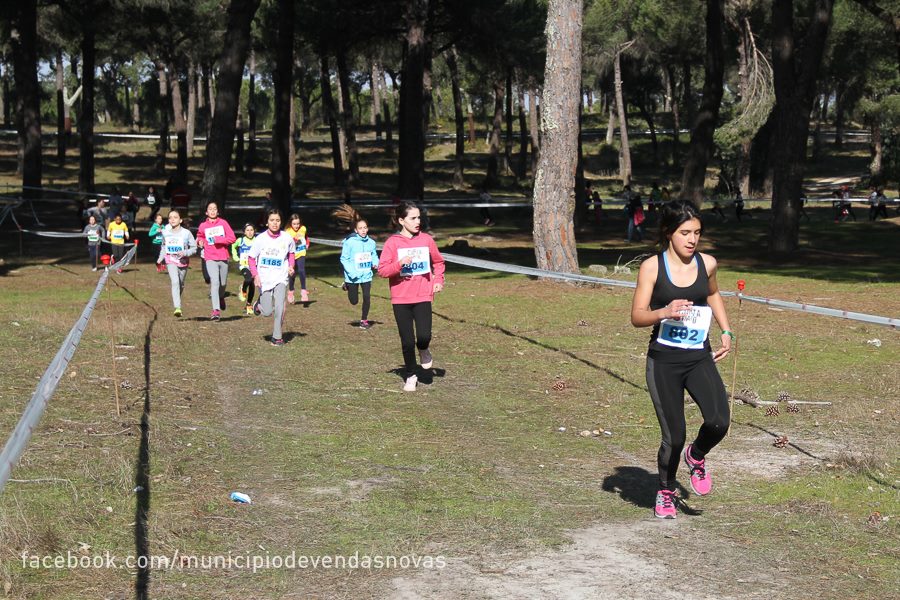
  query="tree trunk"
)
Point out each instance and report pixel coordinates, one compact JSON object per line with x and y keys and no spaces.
{"x":283,"y":78}
{"x":647,"y":113}
{"x":60,"y":109}
{"x":507,"y":150}
{"x":427,"y":88}
{"x":136,"y":112}
{"x":625,"y":151}
{"x":339,"y":112}
{"x":840,"y":103}
{"x":687,"y":94}
{"x":533,"y":116}
{"x":28,"y":94}
{"x":292,"y":146}
{"x":192,"y":107}
{"x":459,"y":181}
{"x":611,"y":124}
{"x":702,"y":143}
{"x":163,"y":145}
{"x":554,"y":184}
{"x":522,"y":170}
{"x":388,"y":127}
{"x":470,"y":118}
{"x":180,"y":126}
{"x":228,"y":85}
{"x":795,"y":84}
{"x":676,"y":118}
{"x":305,"y":102}
{"x":239,"y":157}
{"x":347,"y":121}
{"x":328,"y":110}
{"x":251,"y":113}
{"x":876,"y":150}
{"x":7,"y":103}
{"x":86,"y":118}
{"x":376,"y":98}
{"x":745,"y":50}
{"x":580,"y":187}
{"x":493,"y":171}
{"x":411,"y":180}
{"x":817,"y":131}
{"x":669,"y":83}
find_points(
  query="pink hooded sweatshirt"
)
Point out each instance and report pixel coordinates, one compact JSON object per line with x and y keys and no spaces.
{"x":414,"y":283}
{"x":220,"y":249}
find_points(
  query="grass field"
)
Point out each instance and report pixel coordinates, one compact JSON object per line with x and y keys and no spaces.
{"x":483,"y":468}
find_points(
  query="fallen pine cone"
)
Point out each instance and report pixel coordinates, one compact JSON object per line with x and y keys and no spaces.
{"x":772,"y":411}
{"x":875,"y":518}
{"x":793,"y":408}
{"x":125,"y":385}
{"x":783,"y":396}
{"x":582,"y":323}
{"x":781,"y":441}
{"x":559,"y":385}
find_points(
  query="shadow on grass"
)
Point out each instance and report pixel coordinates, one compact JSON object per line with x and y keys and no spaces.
{"x":540,"y":344}
{"x":638,"y":486}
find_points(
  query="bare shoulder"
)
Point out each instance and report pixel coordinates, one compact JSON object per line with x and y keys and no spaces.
{"x":709,"y":262}
{"x":649,"y":269}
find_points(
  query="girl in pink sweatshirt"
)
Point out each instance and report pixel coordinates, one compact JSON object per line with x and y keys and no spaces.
{"x":215,"y":238}
{"x":415,"y":268}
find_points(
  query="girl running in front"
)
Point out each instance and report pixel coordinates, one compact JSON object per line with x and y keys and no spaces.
{"x":215,"y":237}
{"x":156,"y":237}
{"x":93,"y":231}
{"x":358,"y":257}
{"x":239,"y":252}
{"x":117,"y":232}
{"x":271,"y":260}
{"x":297,"y":231}
{"x":677,"y":294}
{"x":178,"y":244}
{"x":415,"y":267}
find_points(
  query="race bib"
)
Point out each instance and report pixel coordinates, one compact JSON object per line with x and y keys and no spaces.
{"x":271,"y":258}
{"x":421,"y":261}
{"x":151,"y":200}
{"x":118,"y":234}
{"x":93,"y":237}
{"x":174,"y":249}
{"x":690,"y":332}
{"x":363,"y":260}
{"x":213,"y":232}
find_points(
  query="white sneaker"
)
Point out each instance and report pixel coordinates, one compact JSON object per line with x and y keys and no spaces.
{"x":410,"y":384}
{"x":426,"y":358}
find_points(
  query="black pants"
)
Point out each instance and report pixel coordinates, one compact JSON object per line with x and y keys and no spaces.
{"x":353,"y":296}
{"x":299,"y":271}
{"x":118,"y":251}
{"x":407,"y":315}
{"x":667,"y":383}
{"x":93,"y":252}
{"x":248,"y":287}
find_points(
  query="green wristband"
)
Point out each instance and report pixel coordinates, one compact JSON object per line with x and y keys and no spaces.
{"x":728,"y":333}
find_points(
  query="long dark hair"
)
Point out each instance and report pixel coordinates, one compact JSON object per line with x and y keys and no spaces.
{"x":403,"y":209}
{"x":295,"y":216}
{"x":273,"y":211}
{"x":673,"y":215}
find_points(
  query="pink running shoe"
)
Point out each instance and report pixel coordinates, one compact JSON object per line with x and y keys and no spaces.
{"x":701,"y":482}
{"x":304,"y":296}
{"x":665,"y":504}
{"x":290,"y":298}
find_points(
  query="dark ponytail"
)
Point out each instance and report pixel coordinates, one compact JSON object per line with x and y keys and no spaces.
{"x":673,"y":214}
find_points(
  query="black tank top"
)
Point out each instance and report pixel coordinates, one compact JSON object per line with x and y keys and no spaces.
{"x":664,"y":291}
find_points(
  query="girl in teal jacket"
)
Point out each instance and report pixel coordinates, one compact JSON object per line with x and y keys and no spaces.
{"x":358,"y":258}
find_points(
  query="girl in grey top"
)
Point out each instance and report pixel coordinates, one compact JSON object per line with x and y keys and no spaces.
{"x":93,"y":231}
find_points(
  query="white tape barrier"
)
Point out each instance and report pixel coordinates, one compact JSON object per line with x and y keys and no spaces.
{"x":33,"y":412}
{"x":67,"y":234}
{"x":893,"y":323}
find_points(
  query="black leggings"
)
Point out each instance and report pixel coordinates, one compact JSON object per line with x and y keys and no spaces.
{"x":299,"y":271}
{"x":353,"y":295}
{"x":406,"y":315}
{"x":248,"y":287}
{"x":93,"y":252}
{"x":667,"y":382}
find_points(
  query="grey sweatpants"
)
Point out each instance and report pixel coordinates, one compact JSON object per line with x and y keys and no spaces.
{"x":273,"y":301}
{"x":218,"y":278}
{"x":176,"y":277}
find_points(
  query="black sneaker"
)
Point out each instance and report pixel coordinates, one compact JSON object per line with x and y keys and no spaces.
{"x":256,"y":310}
{"x":277,"y":342}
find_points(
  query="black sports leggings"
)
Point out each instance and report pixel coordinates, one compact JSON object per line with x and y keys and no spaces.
{"x":667,"y":382}
{"x":299,"y":271}
{"x":248,"y":287}
{"x":353,"y":295}
{"x":406,"y":315}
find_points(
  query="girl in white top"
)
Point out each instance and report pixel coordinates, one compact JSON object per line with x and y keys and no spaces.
{"x":177,"y":245}
{"x":271,"y":260}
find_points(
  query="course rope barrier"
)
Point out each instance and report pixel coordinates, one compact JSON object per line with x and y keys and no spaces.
{"x":46,"y":387}
{"x":489,"y":265}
